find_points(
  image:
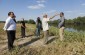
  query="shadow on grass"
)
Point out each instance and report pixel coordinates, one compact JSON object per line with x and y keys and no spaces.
{"x":28,"y":35}
{"x":27,"y":43}
{"x":51,"y":40}
{"x":24,"y":37}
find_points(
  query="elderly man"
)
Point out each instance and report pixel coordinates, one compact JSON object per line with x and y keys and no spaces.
{"x":46,"y":27}
{"x":10,"y":28}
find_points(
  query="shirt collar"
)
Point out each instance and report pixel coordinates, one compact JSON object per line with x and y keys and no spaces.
{"x":9,"y":17}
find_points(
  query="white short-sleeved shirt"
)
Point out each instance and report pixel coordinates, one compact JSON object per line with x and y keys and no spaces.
{"x":45,"y":24}
{"x":10,"y":24}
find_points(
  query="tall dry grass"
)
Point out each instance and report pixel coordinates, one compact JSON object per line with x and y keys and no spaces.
{"x":73,"y":44}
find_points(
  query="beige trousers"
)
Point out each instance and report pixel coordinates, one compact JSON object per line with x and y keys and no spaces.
{"x":61,"y":33}
{"x":46,"y":34}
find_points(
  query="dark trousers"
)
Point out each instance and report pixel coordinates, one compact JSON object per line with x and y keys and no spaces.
{"x":11,"y":38}
{"x":22,"y":32}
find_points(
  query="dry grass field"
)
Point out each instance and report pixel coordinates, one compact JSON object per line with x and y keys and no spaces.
{"x":73,"y":44}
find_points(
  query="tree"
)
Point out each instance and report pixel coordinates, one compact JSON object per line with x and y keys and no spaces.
{"x":31,"y":21}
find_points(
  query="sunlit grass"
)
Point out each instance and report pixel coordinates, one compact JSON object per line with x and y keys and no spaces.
{"x":73,"y":44}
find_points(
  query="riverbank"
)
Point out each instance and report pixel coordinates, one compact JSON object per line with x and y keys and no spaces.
{"x":73,"y":44}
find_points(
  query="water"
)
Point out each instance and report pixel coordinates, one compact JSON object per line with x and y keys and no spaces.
{"x":74,"y":28}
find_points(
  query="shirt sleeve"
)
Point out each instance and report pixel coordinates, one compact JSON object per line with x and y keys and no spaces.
{"x":7,"y":23}
{"x":48,"y":19}
{"x":61,"y":23}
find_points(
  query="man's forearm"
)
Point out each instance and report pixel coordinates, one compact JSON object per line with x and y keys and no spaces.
{"x":54,"y":16}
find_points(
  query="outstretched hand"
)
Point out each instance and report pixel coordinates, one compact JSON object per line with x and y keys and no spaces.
{"x":54,"y":16}
{"x":57,"y":14}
